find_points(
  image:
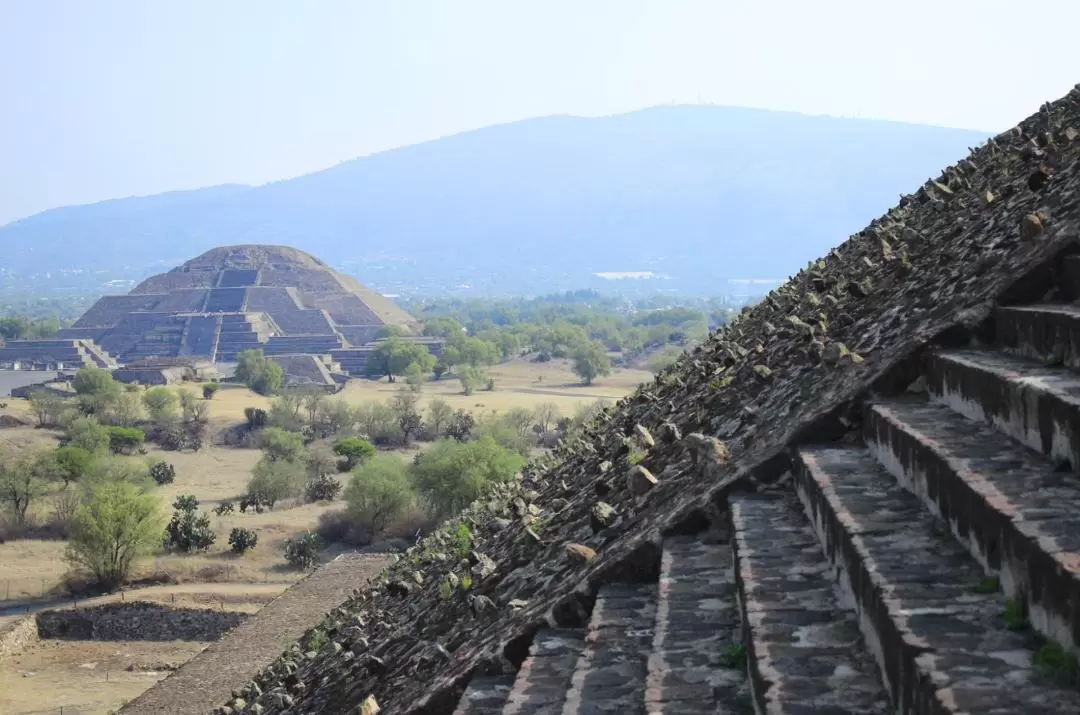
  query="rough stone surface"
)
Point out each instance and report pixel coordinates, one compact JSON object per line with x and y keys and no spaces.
{"x":697,"y":626}
{"x":610,"y":674}
{"x":804,"y":651}
{"x":928,"y":268}
{"x":137,"y":621}
{"x":486,"y":695}
{"x":939,"y":638}
{"x":1016,"y":514}
{"x":544,"y":677}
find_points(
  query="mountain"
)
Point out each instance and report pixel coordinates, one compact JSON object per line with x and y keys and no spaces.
{"x":696,"y":193}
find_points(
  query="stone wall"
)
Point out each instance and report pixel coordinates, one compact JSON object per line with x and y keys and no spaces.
{"x":17,"y":636}
{"x":136,"y":621}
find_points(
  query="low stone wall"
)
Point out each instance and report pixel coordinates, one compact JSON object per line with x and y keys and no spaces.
{"x":137,"y":621}
{"x":17,"y":636}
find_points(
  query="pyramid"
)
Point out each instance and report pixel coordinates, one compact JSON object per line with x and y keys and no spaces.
{"x":232,"y":298}
{"x":859,"y":497}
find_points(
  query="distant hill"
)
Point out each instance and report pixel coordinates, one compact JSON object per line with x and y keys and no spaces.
{"x":697,"y":193}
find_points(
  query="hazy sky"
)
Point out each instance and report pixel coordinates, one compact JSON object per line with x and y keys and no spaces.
{"x":111,"y":98}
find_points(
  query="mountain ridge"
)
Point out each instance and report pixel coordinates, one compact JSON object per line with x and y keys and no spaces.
{"x":676,"y":189}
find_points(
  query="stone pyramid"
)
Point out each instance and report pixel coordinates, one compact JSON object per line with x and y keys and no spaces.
{"x":232,"y":298}
{"x":860,"y":497}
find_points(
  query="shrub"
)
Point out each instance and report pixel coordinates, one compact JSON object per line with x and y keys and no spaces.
{"x":379,"y":492}
{"x":115,"y":526}
{"x":302,"y":552}
{"x":225,"y":507}
{"x":256,"y":417}
{"x":281,"y":446}
{"x":209,"y":390}
{"x":162,"y":473}
{"x":125,"y":440}
{"x":72,"y":462}
{"x":451,"y":475}
{"x":461,"y":426}
{"x":160,"y":403}
{"x":242,"y":540}
{"x":259,"y":372}
{"x":337,"y":527}
{"x":322,"y":488}
{"x":188,"y":531}
{"x":353,"y":452}
{"x":89,"y":434}
{"x":273,"y":481}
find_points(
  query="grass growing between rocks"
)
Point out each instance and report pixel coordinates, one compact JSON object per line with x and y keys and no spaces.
{"x":1057,"y":664}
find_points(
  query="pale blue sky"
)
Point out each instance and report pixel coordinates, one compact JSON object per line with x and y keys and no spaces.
{"x":111,"y":98}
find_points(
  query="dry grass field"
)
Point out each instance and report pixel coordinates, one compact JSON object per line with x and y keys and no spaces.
{"x":75,"y":671}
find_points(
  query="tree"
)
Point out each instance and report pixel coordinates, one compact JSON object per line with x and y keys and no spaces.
{"x":125,"y":440}
{"x":160,"y":403}
{"x":210,"y":389}
{"x":394,"y":356}
{"x":116,"y":525}
{"x":451,"y":475}
{"x":471,"y":378}
{"x":89,"y":434}
{"x":439,"y":414}
{"x":126,"y":409}
{"x":22,"y":482}
{"x":403,"y":405}
{"x":259,"y":372}
{"x":547,"y":414}
{"x":47,"y":407}
{"x":589,"y":360}
{"x":194,"y":409}
{"x":354,"y":452}
{"x":378,"y":492}
{"x":72,"y":462}
{"x":96,"y":390}
{"x":273,"y":481}
{"x":281,"y":446}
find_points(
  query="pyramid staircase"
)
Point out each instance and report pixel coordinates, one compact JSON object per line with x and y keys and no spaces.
{"x":929,"y":562}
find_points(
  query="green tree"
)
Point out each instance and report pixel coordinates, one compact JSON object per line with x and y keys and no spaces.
{"x":160,"y":403}
{"x":126,"y":409}
{"x":125,"y":440}
{"x":281,"y":446}
{"x":452,"y":474}
{"x":472,"y":378}
{"x":354,"y":451}
{"x":272,"y":482}
{"x":89,"y":434}
{"x":589,"y":361}
{"x":210,"y":389}
{"x":23,"y":481}
{"x":394,"y":356}
{"x":72,"y":463}
{"x":439,"y":414}
{"x":379,"y":492}
{"x":259,"y":372}
{"x":96,"y":390}
{"x":116,"y":525}
{"x":47,"y":407}
{"x":188,"y":530}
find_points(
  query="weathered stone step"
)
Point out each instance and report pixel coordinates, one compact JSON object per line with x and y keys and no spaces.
{"x":691,"y":669}
{"x":935,"y":624}
{"x":804,"y":651}
{"x":610,"y":675}
{"x":486,"y":695}
{"x":1037,"y":405}
{"x":1048,"y":332}
{"x":1004,"y":502}
{"x":544,"y":677}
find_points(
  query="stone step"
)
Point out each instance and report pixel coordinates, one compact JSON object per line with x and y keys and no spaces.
{"x":804,"y":651}
{"x":1048,"y":332}
{"x":691,"y":670}
{"x":543,"y":679}
{"x":935,"y":624}
{"x":1037,"y":405}
{"x":486,"y":695}
{"x":610,"y":674}
{"x":1013,"y":511}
